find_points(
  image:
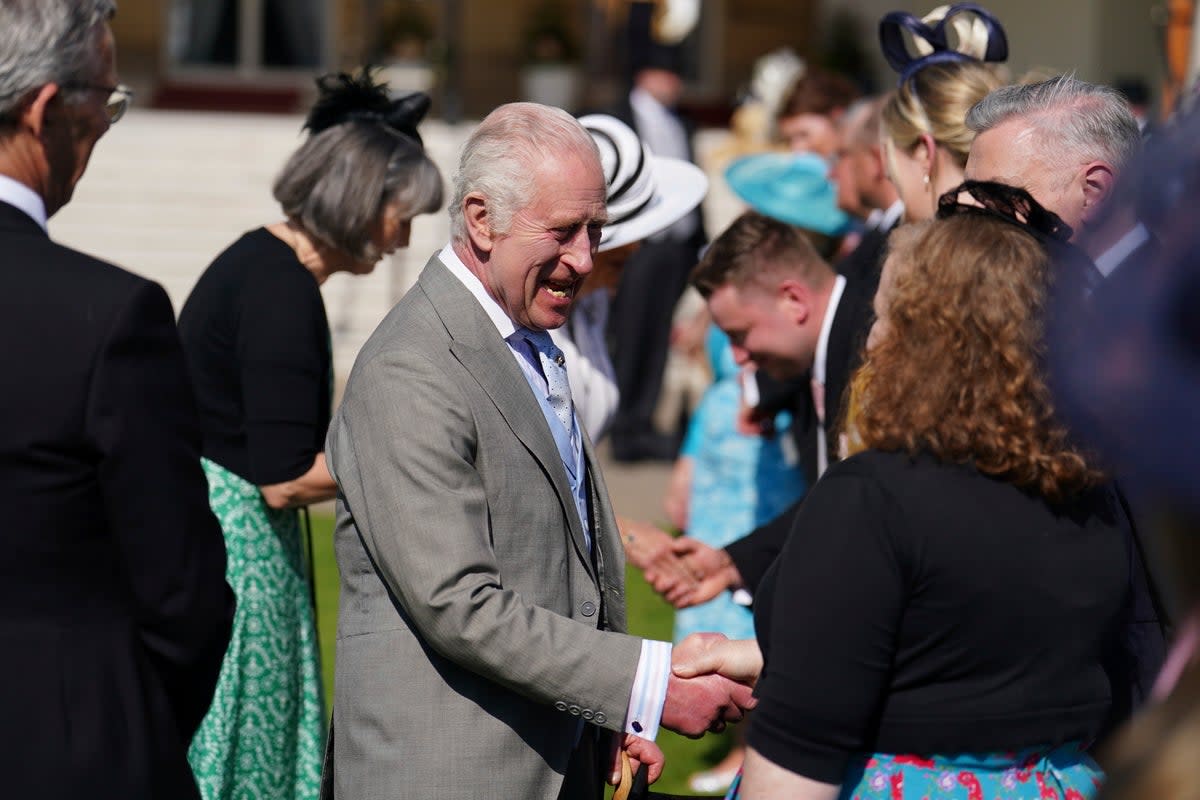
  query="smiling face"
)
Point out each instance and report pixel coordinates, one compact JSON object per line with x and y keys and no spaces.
{"x":536,"y":268}
{"x":766,"y":327}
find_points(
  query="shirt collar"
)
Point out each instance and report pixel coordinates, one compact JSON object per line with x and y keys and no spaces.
{"x":889,"y":218}
{"x":27,"y":200}
{"x":475,"y":286}
{"x":1111,"y":258}
{"x":835,"y":296}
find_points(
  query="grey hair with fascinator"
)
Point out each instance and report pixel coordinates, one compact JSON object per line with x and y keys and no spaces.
{"x":363,"y":158}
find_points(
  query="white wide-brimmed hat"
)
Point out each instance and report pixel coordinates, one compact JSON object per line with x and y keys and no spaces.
{"x":646,"y":193}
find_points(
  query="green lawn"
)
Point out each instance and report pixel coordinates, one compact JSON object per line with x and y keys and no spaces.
{"x":648,"y":616}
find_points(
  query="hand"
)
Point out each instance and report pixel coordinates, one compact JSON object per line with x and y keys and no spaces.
{"x":712,"y":570}
{"x":648,"y":548}
{"x":702,"y":653}
{"x":641,"y":751}
{"x":753,"y":422}
{"x":702,"y":703}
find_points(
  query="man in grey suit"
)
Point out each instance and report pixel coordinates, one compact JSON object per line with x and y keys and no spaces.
{"x":481,"y":651}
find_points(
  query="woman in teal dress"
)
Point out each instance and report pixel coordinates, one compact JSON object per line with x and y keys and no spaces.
{"x":258,"y":345}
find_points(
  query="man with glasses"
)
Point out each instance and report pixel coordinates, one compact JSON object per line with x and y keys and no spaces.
{"x":114,"y":612}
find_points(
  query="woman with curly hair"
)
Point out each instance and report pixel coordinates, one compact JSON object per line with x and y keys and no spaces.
{"x":938,"y":622}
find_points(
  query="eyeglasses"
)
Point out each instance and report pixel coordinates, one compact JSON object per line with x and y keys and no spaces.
{"x":119,"y":98}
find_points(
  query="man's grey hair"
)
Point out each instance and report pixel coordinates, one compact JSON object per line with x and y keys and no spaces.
{"x":47,"y":41}
{"x":1071,"y":118}
{"x":342,"y":179}
{"x":500,"y":160}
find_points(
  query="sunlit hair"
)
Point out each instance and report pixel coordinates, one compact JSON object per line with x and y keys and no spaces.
{"x":758,"y":249}
{"x":47,"y":41}
{"x":502,"y":157}
{"x":1073,"y":121}
{"x":935,"y":101}
{"x":957,"y":369}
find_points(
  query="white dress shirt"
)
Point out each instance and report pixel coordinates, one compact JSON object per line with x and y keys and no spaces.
{"x":21,"y":196}
{"x":818,"y":369}
{"x":644,"y":713}
{"x":1111,"y":258}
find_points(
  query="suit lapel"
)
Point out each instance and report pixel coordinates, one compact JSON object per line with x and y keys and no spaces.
{"x":477,"y":345}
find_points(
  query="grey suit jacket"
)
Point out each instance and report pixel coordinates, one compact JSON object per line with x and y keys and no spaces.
{"x":475,"y":630}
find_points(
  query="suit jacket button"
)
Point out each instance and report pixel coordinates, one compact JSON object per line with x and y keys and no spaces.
{"x":588,"y":714}
{"x":600,"y":718}
{"x":560,"y":705}
{"x":574,"y":709}
{"x":588,"y":608}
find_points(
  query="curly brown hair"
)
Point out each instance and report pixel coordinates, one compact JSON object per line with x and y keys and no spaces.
{"x":957,"y":370}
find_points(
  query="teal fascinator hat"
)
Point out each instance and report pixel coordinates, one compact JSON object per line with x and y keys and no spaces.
{"x":790,"y":187}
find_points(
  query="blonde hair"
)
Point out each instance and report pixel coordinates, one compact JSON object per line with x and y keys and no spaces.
{"x":935,"y":101}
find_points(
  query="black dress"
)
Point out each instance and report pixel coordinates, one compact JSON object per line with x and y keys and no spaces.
{"x":925,"y":608}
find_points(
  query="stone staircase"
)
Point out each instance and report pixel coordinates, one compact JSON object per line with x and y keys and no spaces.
{"x":166,"y":191}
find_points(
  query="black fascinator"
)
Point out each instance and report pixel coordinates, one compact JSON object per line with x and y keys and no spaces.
{"x":346,"y":98}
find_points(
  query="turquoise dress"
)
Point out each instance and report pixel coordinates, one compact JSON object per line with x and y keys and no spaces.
{"x":738,"y":483}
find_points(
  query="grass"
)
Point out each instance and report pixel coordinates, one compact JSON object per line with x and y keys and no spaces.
{"x":649,"y":616}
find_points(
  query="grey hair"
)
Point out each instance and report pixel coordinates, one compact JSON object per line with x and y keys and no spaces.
{"x":1070,"y":118}
{"x":47,"y":41}
{"x":337,"y":185}
{"x":500,"y":158}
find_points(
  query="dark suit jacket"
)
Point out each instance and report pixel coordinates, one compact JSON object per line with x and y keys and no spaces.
{"x":753,"y":553}
{"x":114,"y":611}
{"x":864,"y":263}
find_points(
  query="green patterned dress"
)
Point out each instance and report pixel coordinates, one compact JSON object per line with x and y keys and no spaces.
{"x":263,"y":735}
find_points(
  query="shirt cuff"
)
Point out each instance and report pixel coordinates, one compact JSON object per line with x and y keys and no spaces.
{"x":649,"y":690}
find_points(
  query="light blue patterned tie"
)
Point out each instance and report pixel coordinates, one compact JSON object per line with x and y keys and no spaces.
{"x":555,"y":371}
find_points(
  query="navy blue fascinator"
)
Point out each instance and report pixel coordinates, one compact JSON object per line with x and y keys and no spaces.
{"x":966,"y":32}
{"x":346,"y":98}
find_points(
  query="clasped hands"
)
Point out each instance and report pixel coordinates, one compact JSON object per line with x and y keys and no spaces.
{"x":711,"y":684}
{"x":685,"y":571}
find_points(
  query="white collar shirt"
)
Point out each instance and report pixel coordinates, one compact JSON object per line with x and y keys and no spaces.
{"x":22,"y":197}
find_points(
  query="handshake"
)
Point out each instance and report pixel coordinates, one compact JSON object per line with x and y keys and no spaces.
{"x":711,"y":684}
{"x":685,"y":571}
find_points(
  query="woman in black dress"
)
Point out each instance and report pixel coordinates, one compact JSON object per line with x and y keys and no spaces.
{"x":939,"y":622}
{"x":258,"y":345}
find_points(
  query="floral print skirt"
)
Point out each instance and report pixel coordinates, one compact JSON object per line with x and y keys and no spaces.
{"x":1066,"y":772}
{"x":264,"y":736}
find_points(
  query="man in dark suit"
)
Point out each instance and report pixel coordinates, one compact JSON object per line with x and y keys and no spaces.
{"x":786,"y":311}
{"x":1066,"y":142}
{"x":656,"y":275}
{"x":114,"y":612}
{"x":864,"y":189}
